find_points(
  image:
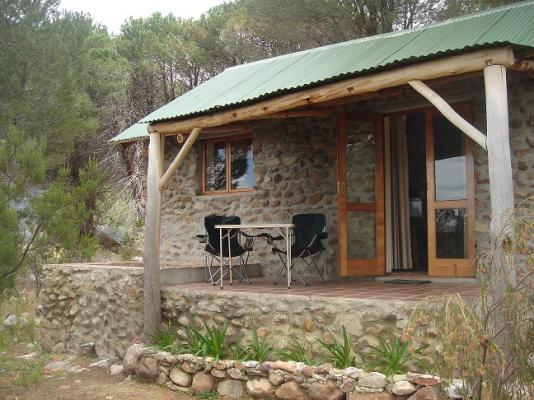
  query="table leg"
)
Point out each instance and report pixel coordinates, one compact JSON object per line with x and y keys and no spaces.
{"x":221,"y":255}
{"x":229,"y":233}
{"x":288,"y":255}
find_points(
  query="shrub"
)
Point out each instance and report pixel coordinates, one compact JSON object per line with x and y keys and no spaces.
{"x":259,"y":349}
{"x":165,"y":339}
{"x":194,"y":343}
{"x":340,"y":354}
{"x":238,"y":352}
{"x":214,"y":341}
{"x":392,"y":357}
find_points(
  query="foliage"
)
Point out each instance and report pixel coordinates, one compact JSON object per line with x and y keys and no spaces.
{"x":488,"y":340}
{"x":340,"y":354}
{"x":259,"y":349}
{"x":296,"y":351}
{"x":165,"y":339}
{"x":194,"y":342}
{"x":237,"y":351}
{"x":214,"y":341}
{"x":393,"y":357}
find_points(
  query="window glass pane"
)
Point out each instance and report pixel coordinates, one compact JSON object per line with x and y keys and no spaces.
{"x":450,"y":161}
{"x":215,"y":159}
{"x":360,"y":160}
{"x":242,"y":164}
{"x":361,"y":242}
{"x":451,"y":233}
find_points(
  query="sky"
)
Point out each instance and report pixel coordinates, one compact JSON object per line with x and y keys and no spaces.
{"x":112,"y":13}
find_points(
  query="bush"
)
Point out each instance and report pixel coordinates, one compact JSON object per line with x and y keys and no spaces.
{"x":296,"y":351}
{"x":259,"y":349}
{"x":393,"y":356}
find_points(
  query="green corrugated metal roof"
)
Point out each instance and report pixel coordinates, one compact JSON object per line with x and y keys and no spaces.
{"x":510,"y":25}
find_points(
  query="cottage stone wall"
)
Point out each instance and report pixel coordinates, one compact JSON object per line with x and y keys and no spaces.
{"x":295,"y":169}
{"x":101,"y":308}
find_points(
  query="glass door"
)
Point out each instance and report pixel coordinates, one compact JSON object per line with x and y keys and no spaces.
{"x":361,"y":194}
{"x":451,"y":208}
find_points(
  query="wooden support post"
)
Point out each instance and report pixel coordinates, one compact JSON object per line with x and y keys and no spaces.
{"x":499,"y":160}
{"x":151,"y":295}
{"x":449,"y":113}
{"x":179,"y":157}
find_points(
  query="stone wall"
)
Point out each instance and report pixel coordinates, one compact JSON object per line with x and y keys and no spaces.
{"x":91,"y":308}
{"x":295,"y":171}
{"x":104,"y":306}
{"x":285,"y":380}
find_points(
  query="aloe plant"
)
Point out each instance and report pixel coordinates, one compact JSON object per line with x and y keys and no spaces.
{"x":340,"y":354}
{"x":259,"y":349}
{"x":214,"y":341}
{"x":296,"y":351}
{"x":165,"y":339}
{"x":391,"y":357}
{"x":194,"y":342}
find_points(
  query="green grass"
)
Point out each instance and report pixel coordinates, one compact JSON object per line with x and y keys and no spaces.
{"x":340,"y":354}
{"x":165,"y":339}
{"x":214,"y":341}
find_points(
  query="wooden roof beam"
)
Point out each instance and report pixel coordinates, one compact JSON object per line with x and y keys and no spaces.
{"x":446,"y":66}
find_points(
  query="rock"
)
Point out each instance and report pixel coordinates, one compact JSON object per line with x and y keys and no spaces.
{"x":346,"y":387}
{"x":217,"y":373}
{"x":251,"y":364}
{"x":288,"y":366}
{"x":147,"y":369}
{"x":372,"y":380}
{"x":424,"y":379}
{"x":352,"y":372}
{"x":104,"y":363}
{"x":162,"y":379}
{"x":456,"y":389}
{"x":202,"y":382}
{"x":276,"y":377}
{"x":116,"y":369}
{"x":236,"y":373}
{"x":12,"y":320}
{"x":259,"y":388}
{"x":190,"y":368}
{"x":328,"y":391}
{"x":231,"y":389}
{"x":402,"y":388}
{"x":30,"y":356}
{"x":307,"y":372}
{"x":370,"y":396}
{"x":57,"y":366}
{"x":59,"y":348}
{"x":180,"y":377}
{"x":323,"y":369}
{"x":130,"y":359}
{"x":290,"y":391}
{"x":426,"y":393}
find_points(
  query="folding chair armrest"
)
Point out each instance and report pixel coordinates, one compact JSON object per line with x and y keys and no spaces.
{"x":202,"y":238}
{"x":271,"y":238}
{"x":248,"y":235}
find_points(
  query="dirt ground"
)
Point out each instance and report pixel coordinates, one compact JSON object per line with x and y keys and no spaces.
{"x":94,"y":384}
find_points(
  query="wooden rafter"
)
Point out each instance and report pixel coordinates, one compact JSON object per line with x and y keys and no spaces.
{"x":449,"y":113}
{"x":448,"y":66}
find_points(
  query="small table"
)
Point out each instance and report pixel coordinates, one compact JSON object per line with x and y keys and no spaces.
{"x":284,"y":228}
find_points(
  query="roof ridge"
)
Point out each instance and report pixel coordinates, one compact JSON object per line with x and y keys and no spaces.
{"x":385,"y":34}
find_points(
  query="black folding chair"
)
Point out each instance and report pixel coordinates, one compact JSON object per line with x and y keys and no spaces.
{"x":238,"y":248}
{"x":308,"y":233}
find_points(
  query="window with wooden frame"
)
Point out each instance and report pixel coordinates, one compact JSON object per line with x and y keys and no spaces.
{"x":227,"y":165}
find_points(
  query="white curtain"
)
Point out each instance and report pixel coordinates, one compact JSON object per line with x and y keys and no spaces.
{"x":398,"y":248}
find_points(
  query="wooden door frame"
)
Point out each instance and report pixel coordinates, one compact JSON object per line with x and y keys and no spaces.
{"x":447,"y":266}
{"x":377,"y":265}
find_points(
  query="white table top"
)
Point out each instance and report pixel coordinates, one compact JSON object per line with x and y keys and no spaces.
{"x":254,"y":226}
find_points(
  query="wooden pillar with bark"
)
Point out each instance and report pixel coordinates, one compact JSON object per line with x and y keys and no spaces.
{"x":151,"y":286}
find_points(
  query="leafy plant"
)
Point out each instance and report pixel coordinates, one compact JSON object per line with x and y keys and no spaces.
{"x":391,"y":357}
{"x":194,"y":342}
{"x":340,"y":354}
{"x":259,"y":349}
{"x":296,"y":351}
{"x":214,"y":341}
{"x":237,"y":352}
{"x":165,"y":339}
